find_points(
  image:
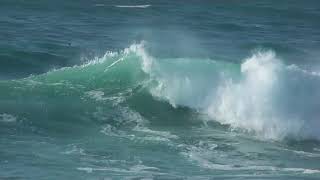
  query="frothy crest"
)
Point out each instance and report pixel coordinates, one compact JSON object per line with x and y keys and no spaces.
{"x":147,"y":60}
{"x":265,"y":98}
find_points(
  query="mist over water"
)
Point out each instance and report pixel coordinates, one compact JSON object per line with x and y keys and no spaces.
{"x":159,"y":90}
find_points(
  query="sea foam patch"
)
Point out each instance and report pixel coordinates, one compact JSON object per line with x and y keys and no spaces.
{"x":7,"y":118}
{"x":133,"y":6}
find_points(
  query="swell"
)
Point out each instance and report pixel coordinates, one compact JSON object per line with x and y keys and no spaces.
{"x":261,"y":96}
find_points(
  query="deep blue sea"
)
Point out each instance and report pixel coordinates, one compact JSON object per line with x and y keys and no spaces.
{"x":197,"y":89}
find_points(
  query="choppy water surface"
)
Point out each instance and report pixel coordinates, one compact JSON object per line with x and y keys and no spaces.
{"x":159,"y":90}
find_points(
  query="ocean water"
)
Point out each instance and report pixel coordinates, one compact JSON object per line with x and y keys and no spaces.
{"x":104,"y":89}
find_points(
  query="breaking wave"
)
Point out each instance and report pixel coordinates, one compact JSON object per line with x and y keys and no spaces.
{"x":261,"y":96}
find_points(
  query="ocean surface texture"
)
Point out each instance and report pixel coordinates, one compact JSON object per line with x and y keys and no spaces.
{"x":209,"y":89}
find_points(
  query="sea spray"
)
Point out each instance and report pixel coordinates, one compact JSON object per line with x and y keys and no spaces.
{"x":249,"y":103}
{"x":263,"y":96}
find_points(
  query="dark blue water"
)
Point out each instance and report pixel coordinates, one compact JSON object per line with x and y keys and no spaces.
{"x":94,"y":89}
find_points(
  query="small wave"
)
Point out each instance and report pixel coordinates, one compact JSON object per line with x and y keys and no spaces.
{"x":133,"y":6}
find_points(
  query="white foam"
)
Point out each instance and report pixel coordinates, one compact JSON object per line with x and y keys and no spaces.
{"x":164,"y":134}
{"x":7,"y":118}
{"x":267,"y":98}
{"x":141,"y":167}
{"x":112,"y":131}
{"x":294,"y":67}
{"x":133,"y":6}
{"x":248,"y":104}
{"x":99,"y":5}
{"x":316,"y":149}
{"x":139,"y":125}
{"x":97,"y":95}
{"x":138,"y":168}
{"x":201,"y":156}
{"x":148,"y":62}
{"x":257,"y":101}
{"x":74,"y":149}
{"x":310,"y":171}
{"x":303,"y":153}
